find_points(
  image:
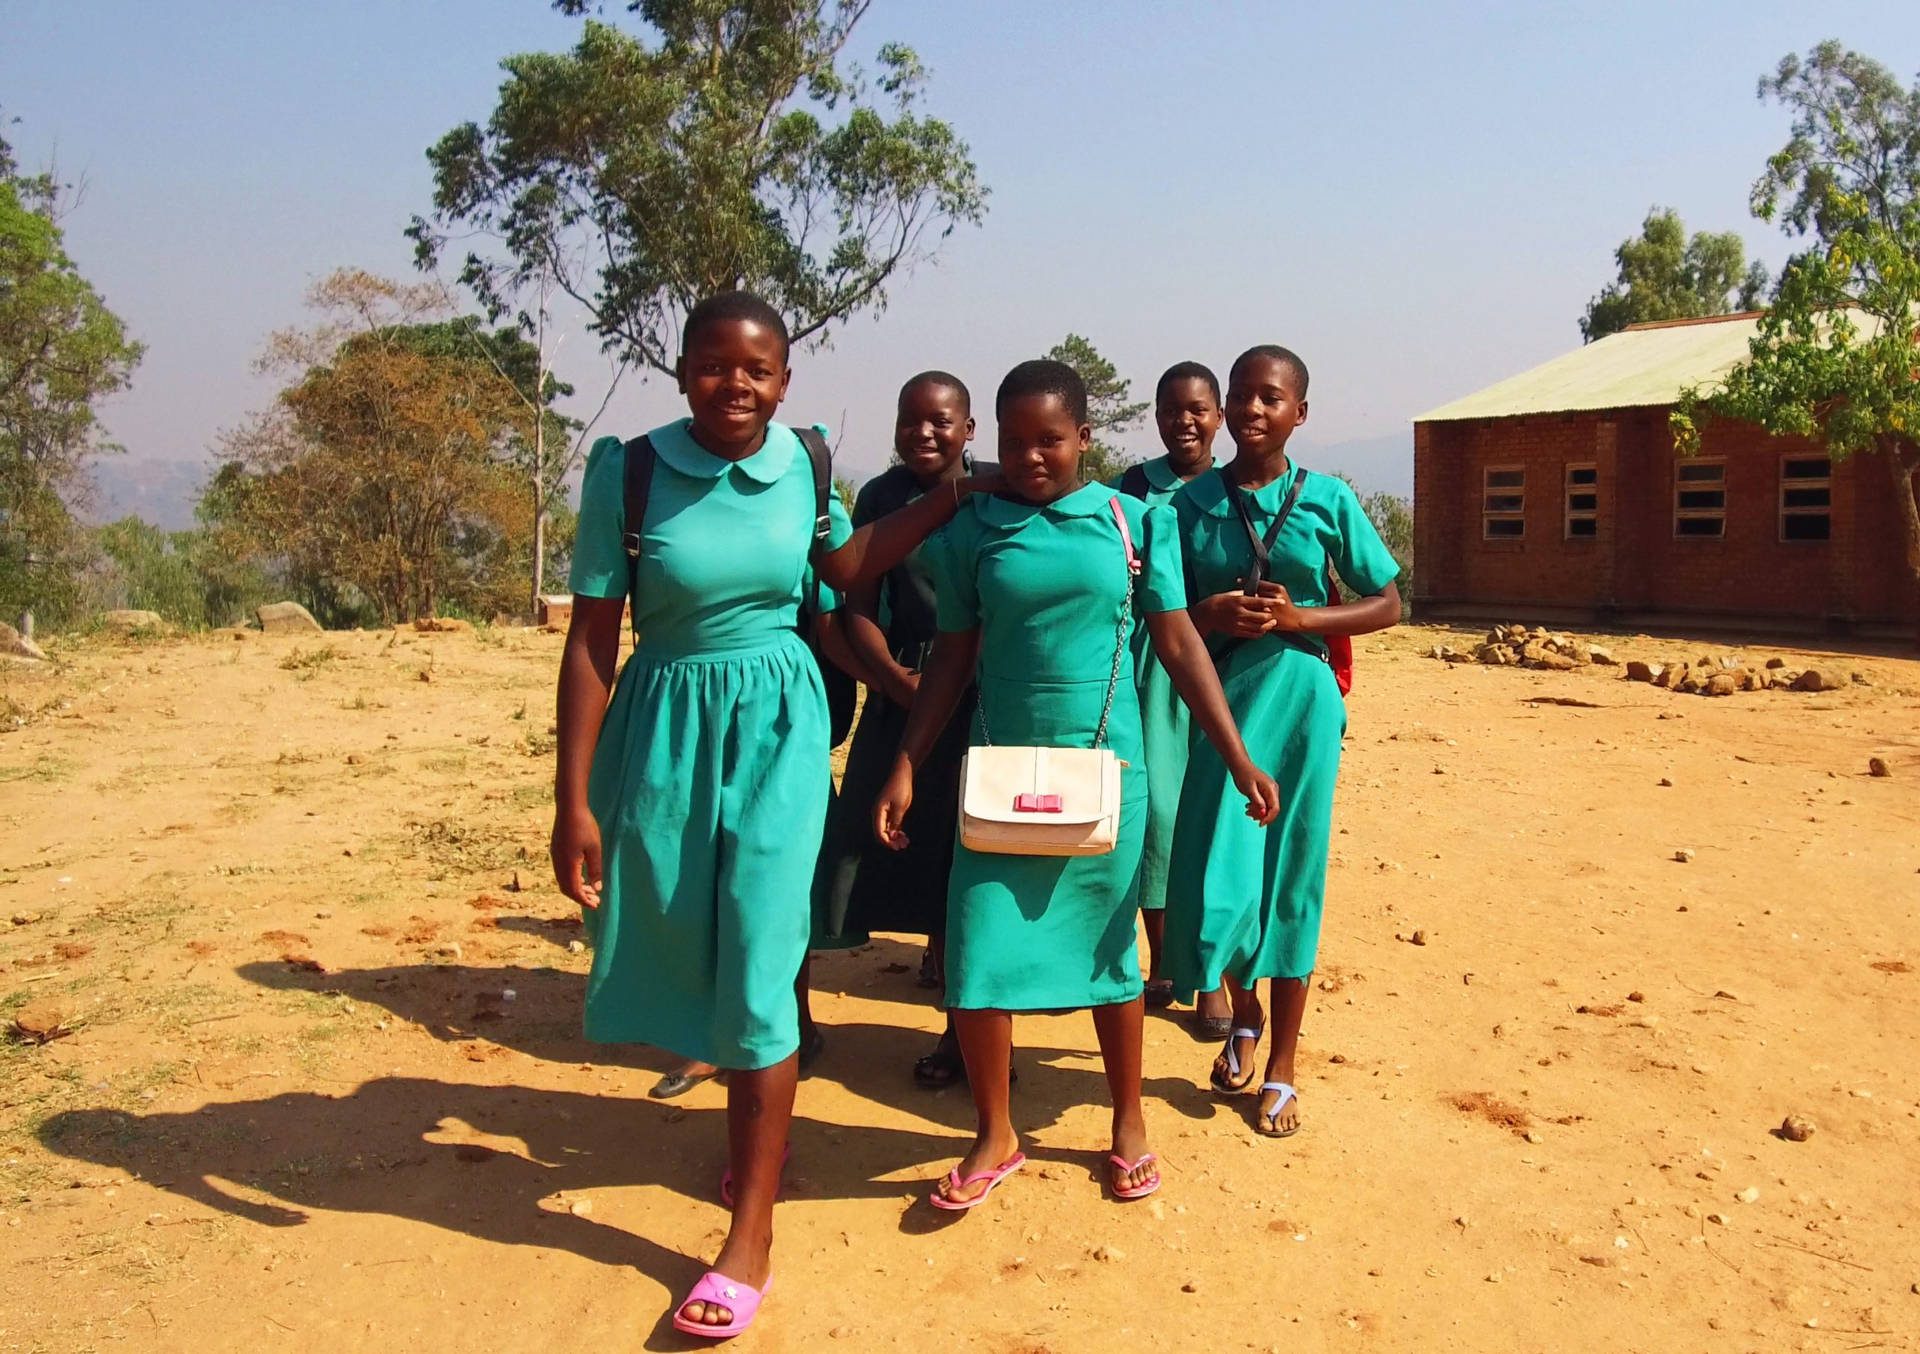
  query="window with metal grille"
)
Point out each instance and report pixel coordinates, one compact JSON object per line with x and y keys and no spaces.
{"x":1700,"y":499}
{"x":1503,"y":503}
{"x":1806,"y":498}
{"x":1583,"y":501}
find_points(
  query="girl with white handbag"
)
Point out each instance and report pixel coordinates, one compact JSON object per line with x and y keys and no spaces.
{"x":1037,"y":589}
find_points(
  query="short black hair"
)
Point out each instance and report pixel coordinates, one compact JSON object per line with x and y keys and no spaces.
{"x":1044,"y":376}
{"x":1285,"y":356}
{"x":1187,"y":371}
{"x":723,"y":306}
{"x":946,"y":381}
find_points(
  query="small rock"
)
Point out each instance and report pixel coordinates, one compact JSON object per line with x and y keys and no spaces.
{"x":41,"y":1022}
{"x":581,"y":1208}
{"x":1684,"y":855}
{"x":1533,"y":1136}
{"x":1190,"y":1286}
{"x":127,"y":621}
{"x":1717,"y":1219}
{"x":1776,"y":663}
{"x":1636,"y":996}
{"x":451,"y":950}
{"x":1602,"y":657}
{"x":1638,"y":671}
{"x":576,"y":947}
{"x":1877,"y":766}
{"x":1749,"y":1195}
{"x":356,"y":759}
{"x":13,"y":643}
{"x":323,"y":914}
{"x":1665,"y":783}
{"x":1418,"y":938}
{"x":1796,"y":1128}
{"x":1106,"y":1255}
{"x":1815,"y":680}
{"x":1724,"y":683}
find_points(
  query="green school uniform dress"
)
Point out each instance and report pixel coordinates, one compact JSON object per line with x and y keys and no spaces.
{"x":1046,"y":587}
{"x":1243,"y":900}
{"x":1166,"y":724}
{"x":710,"y":778}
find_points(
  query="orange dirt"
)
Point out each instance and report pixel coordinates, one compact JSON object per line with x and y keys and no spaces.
{"x":414,"y":1149}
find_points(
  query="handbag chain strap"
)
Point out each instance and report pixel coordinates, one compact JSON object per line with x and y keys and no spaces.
{"x":1119,"y":656}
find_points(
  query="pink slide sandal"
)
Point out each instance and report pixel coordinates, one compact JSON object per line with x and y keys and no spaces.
{"x":1126,"y":1167}
{"x":992,"y":1177}
{"x":717,"y":1290}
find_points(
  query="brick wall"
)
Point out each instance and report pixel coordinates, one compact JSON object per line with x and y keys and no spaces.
{"x":1634,"y":562}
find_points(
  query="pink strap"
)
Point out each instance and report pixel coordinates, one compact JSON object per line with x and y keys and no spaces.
{"x":1126,"y":535}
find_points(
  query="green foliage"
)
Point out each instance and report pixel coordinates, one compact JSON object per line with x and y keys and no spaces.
{"x":733,"y":152}
{"x":1837,"y":357}
{"x":847,"y":491}
{"x":61,"y":351}
{"x":1392,"y":517}
{"x":1108,"y":409}
{"x":183,"y":575}
{"x":1666,"y":276}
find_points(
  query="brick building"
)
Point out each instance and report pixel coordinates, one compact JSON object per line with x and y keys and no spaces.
{"x":1558,"y":495}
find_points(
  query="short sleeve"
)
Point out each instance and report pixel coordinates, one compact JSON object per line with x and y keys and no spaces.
{"x":956,"y":593}
{"x":599,"y":566}
{"x":1163,"y":585}
{"x":1360,"y":557}
{"x":829,"y":597}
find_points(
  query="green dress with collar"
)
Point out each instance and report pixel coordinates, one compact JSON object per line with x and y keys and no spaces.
{"x":1166,"y":725}
{"x":1047,"y":587}
{"x":1245,"y":901}
{"x":710,"y":778}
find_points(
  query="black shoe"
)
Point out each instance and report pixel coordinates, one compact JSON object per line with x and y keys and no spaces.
{"x":675,"y":1084}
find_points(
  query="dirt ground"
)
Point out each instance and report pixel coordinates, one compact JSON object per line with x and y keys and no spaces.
{"x":326,"y":1088}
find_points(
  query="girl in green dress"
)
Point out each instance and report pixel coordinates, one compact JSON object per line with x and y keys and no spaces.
{"x":1186,"y":409}
{"x":1241,"y":905}
{"x":890,"y":627}
{"x":689,"y":800}
{"x":1035,"y":599}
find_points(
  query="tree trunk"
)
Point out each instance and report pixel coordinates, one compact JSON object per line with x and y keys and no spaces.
{"x":1903,"y":458}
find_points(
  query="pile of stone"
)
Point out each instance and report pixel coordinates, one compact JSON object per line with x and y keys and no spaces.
{"x":1724,"y":674}
{"x":1516,"y":646}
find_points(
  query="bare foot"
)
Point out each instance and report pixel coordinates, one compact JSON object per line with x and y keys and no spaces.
{"x":991,"y":1151}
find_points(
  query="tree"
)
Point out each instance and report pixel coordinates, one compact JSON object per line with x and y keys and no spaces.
{"x":61,"y":352}
{"x":1108,"y":409}
{"x":1666,"y":276}
{"x":384,"y":468}
{"x":1837,"y":356}
{"x":733,"y":152}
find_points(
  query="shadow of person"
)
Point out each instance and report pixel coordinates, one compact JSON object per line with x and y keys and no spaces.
{"x":459,"y":1002}
{"x":492,"y":1162}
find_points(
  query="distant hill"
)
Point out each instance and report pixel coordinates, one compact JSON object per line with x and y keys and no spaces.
{"x":1373,"y":463}
{"x":162,"y":492}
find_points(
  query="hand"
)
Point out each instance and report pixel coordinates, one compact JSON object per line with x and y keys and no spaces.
{"x":903,"y":684}
{"x":1279,"y":603}
{"x":890,"y":809}
{"x":985,"y":479}
{"x":1233,"y":613}
{"x":1262,"y":795}
{"x":576,"y":856}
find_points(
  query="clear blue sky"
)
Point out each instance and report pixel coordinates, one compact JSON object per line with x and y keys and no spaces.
{"x":1418,"y":198}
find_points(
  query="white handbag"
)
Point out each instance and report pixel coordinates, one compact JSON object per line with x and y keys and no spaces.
{"x":1043,"y":801}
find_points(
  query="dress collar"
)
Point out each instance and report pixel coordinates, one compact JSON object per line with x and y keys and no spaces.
{"x":1208,"y":492}
{"x":1162,"y":476}
{"x":1085,"y":501}
{"x":674,"y":444}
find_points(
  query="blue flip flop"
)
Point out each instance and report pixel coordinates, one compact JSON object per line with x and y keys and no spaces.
{"x":1265,"y":1120}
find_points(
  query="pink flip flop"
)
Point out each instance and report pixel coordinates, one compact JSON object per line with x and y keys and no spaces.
{"x":1128,"y":1168}
{"x":717,"y":1290}
{"x":726,"y":1177}
{"x":992,"y":1177}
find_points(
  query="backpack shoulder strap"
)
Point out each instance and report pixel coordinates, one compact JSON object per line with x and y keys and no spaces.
{"x":636,"y":485}
{"x":1134,"y":481}
{"x":821,"y":457}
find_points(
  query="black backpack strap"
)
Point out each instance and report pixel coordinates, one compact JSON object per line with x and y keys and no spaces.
{"x":636,"y":485}
{"x":820,"y":456}
{"x":1134,"y":482}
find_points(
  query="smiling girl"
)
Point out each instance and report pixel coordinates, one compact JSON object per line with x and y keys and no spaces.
{"x":1257,"y":535}
{"x":689,"y":806}
{"x":1035,"y":598}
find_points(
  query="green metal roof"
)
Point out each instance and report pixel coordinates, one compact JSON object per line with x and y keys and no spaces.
{"x":1635,"y":368}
